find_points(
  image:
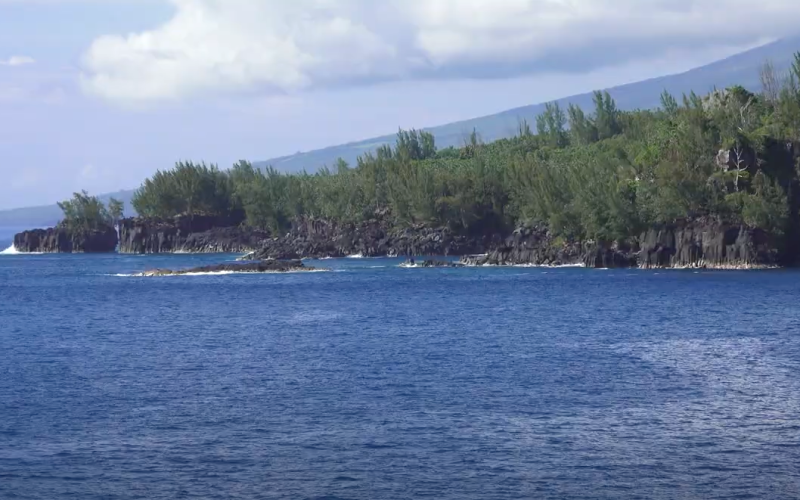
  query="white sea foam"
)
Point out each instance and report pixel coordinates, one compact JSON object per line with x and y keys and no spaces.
{"x":219,"y":273}
{"x":12,"y":250}
{"x":356,"y":256}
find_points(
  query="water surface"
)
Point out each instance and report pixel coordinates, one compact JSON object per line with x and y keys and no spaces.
{"x":372,"y":381}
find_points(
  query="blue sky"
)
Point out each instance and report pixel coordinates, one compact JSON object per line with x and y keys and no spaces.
{"x":98,"y":94}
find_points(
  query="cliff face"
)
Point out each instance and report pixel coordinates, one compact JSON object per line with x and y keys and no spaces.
{"x":64,"y":240}
{"x":535,"y":246}
{"x":532,"y":245}
{"x":198,"y":234}
{"x":700,"y":244}
{"x":317,"y":238}
{"x":709,"y":245}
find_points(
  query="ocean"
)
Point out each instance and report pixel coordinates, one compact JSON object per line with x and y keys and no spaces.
{"x":371,"y":381}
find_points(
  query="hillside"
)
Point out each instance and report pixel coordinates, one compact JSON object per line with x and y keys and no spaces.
{"x":739,"y":69}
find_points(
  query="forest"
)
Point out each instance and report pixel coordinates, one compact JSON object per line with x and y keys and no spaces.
{"x":601,"y":174}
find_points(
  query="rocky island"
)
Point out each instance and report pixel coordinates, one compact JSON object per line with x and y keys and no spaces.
{"x":273,"y":266}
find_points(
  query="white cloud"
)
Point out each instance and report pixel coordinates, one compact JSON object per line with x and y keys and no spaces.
{"x":284,"y":46}
{"x":17,"y":61}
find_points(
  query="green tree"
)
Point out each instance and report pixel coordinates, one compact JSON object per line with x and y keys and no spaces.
{"x":84,"y":212}
{"x":116,"y":210}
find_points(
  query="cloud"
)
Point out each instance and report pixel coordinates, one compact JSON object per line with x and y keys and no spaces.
{"x":17,"y":61}
{"x":275,"y":46}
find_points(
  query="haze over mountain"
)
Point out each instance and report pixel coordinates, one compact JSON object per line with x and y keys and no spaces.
{"x":742,"y":69}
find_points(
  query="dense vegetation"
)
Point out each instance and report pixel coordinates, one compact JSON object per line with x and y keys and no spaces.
{"x":84,"y":212}
{"x":603,"y":175}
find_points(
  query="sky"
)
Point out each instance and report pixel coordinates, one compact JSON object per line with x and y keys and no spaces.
{"x":99,"y":94}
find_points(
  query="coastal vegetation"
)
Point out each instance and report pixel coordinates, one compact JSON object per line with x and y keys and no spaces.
{"x":87,"y":213}
{"x":601,"y":174}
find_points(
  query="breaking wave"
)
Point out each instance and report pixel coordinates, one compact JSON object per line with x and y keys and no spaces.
{"x":12,"y":250}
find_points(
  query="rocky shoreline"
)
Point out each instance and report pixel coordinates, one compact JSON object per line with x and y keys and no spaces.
{"x":703,"y":243}
{"x":312,"y":238}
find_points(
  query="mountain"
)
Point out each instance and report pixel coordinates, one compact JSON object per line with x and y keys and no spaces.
{"x":740,"y":69}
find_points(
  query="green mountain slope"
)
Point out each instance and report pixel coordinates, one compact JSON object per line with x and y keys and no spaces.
{"x":742,"y":69}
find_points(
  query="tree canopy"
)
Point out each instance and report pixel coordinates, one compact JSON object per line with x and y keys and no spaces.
{"x":84,"y":212}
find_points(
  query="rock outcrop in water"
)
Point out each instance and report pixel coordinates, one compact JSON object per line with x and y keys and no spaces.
{"x":185,"y":234}
{"x":270,"y":266}
{"x":320,"y":238}
{"x":430,"y":263}
{"x":61,"y":239}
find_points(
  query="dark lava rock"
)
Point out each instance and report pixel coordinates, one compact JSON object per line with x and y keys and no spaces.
{"x":268,"y":266}
{"x":184,"y":234}
{"x":604,"y":257}
{"x":529,"y":245}
{"x":699,"y":243}
{"x":61,"y":239}
{"x":378,"y":237}
{"x":707,"y":244}
{"x":431,"y":263}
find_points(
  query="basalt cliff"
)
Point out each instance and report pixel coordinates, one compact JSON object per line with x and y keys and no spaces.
{"x":695,"y":244}
{"x":62,"y":239}
{"x":188,"y":234}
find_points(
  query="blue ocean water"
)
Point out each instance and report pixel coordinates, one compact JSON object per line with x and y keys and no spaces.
{"x":373,"y":381}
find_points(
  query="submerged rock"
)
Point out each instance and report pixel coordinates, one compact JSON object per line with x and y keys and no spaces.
{"x":269,"y":266}
{"x":61,"y":239}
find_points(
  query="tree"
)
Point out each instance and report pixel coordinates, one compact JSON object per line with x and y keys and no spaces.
{"x":770,"y":82}
{"x":606,"y":115}
{"x":551,"y":126}
{"x":116,"y":209}
{"x":669,"y":104}
{"x":582,"y":130}
{"x":84,"y":212}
